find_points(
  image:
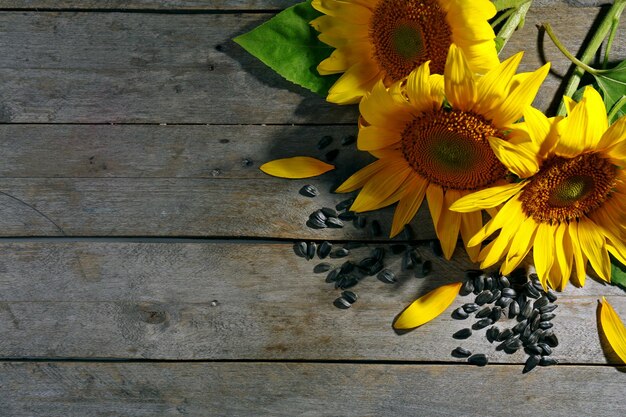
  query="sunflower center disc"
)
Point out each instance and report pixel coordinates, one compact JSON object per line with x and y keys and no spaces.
{"x":566,"y":189}
{"x":450,"y":148}
{"x":407,"y":33}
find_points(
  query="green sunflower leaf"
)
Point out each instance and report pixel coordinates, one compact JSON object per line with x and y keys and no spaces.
{"x":612,"y":82}
{"x":289,"y":45}
{"x":618,"y":273}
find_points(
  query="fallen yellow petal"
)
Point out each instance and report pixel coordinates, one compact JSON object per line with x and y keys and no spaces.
{"x":427,"y":307}
{"x":613,"y":329}
{"x":296,"y":167}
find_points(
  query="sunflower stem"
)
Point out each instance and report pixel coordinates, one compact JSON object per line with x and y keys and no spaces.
{"x":564,"y":51}
{"x":613,"y":14}
{"x":502,"y":17}
{"x":609,"y":42}
{"x":616,"y":108}
{"x":514,"y":21}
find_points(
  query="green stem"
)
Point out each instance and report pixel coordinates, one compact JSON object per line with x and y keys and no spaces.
{"x":596,"y":41}
{"x":502,"y":17}
{"x":564,"y":51}
{"x":616,"y":108}
{"x":609,"y":42}
{"x":507,"y":4}
{"x":513,"y":22}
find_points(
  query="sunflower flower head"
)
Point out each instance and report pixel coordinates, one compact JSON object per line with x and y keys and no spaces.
{"x":387,"y":39}
{"x":434,"y":137}
{"x":570,"y":209}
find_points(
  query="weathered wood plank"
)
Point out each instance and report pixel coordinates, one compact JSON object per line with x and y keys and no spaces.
{"x":165,"y":68}
{"x":148,"y":151}
{"x":239,"y":301}
{"x":204,"y":4}
{"x":291,"y":389}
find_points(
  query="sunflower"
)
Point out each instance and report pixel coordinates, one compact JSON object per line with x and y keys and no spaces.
{"x":387,"y":39}
{"x":570,"y":206}
{"x":430,"y":136}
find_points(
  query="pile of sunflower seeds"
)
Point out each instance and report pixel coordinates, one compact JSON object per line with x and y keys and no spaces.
{"x":523,"y":301}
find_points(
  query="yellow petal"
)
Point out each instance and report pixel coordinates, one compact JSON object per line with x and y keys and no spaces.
{"x":374,"y":137}
{"x":427,"y":307}
{"x":519,"y":159}
{"x":511,"y":210}
{"x":487,"y":198}
{"x":360,"y":177}
{"x":615,"y":134}
{"x":381,"y":186}
{"x":458,"y":79}
{"x":538,"y":127}
{"x":520,"y":246}
{"x":543,"y":252}
{"x":423,"y":90}
{"x":471,"y":223}
{"x":350,"y":11}
{"x":434,"y":196}
{"x":296,"y":167}
{"x":449,"y":223}
{"x":409,"y":204}
{"x":593,"y":245}
{"x":613,"y":329}
{"x":492,"y":87}
{"x":579,"y":258}
{"x":353,"y":84}
{"x":564,"y":254}
{"x":382,"y":109}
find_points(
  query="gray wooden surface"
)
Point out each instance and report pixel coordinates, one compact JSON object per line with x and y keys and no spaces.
{"x":147,"y":264}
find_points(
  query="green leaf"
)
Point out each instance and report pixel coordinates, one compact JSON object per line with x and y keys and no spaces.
{"x":618,"y":273}
{"x":612,"y":82}
{"x":289,"y":45}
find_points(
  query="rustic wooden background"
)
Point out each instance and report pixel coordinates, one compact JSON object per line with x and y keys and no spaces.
{"x":147,"y":267}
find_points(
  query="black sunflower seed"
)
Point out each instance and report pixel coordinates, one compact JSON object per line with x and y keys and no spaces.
{"x":534,"y":325}
{"x":387,"y":276}
{"x":483,"y":297}
{"x":504,"y":335}
{"x":547,"y":361}
{"x":551,"y":340}
{"x":470,"y":307}
{"x":300,"y":249}
{"x":348,"y":140}
{"x":504,"y":282}
{"x":492,"y":334}
{"x":489,"y":283}
{"x":334,"y":223}
{"x":527,"y":331}
{"x":467,"y":288}
{"x":509,"y":292}
{"x":324,"y":248}
{"x":347,"y":216}
{"x":533,"y":315}
{"x":513,"y":343}
{"x":349,"y":296}
{"x":346,"y":267}
{"x":333,"y":275}
{"x":495,"y":296}
{"x":526,"y":311}
{"x":360,"y":222}
{"x":347,"y":282}
{"x":548,"y":309}
{"x":435,"y":246}
{"x":318,"y":215}
{"x":462,"y":334}
{"x":407,"y":233}
{"x":484,"y":312}
{"x":541,"y":302}
{"x":531,"y":363}
{"x":478,"y":359}
{"x":322,"y":267}
{"x":534,"y":337}
{"x":309,"y":191}
{"x":473,"y":273}
{"x":546,"y":325}
{"x":547,"y":350}
{"x":375,"y":269}
{"x":459,"y":314}
{"x":343,"y":205}
{"x":513,"y":309}
{"x":329,"y":212}
{"x":342,"y":303}
{"x":482,"y":323}
{"x":496,"y":313}
{"x":423,"y":270}
{"x":375,"y":228}
{"x":331,"y":155}
{"x":531,"y":291}
{"x":551,"y":296}
{"x":519,"y":327}
{"x":533,"y":349}
{"x":522,"y":299}
{"x":316,"y":224}
{"x":324,"y":142}
{"x":460,"y":352}
{"x":339,"y":253}
{"x":547,"y":316}
{"x":407,"y":263}
{"x":415,"y":258}
{"x":311,"y":248}
{"x":504,"y":302}
{"x":479,"y":283}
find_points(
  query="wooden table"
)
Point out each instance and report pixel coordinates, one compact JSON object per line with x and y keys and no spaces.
{"x":147,"y":265}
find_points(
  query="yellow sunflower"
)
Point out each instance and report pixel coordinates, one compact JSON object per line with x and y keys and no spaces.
{"x":428,"y":146}
{"x":571,"y":205}
{"x":387,"y":39}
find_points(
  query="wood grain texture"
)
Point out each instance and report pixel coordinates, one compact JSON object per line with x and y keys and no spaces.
{"x":324,"y":390}
{"x":183,"y":68}
{"x":203,"y":4}
{"x":240,"y":301}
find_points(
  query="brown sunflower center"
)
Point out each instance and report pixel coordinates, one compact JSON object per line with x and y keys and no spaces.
{"x":450,"y":148}
{"x":566,"y":189}
{"x":407,"y":33}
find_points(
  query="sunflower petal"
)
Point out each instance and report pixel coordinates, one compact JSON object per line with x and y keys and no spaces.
{"x":381,"y":186}
{"x":593,"y":245}
{"x":458,"y":79}
{"x":353,"y":84}
{"x":373,"y":137}
{"x":520,"y":246}
{"x":510,"y":211}
{"x":519,"y":159}
{"x":579,"y":258}
{"x":434,"y":196}
{"x":543,"y":252}
{"x":381,"y":109}
{"x":449,"y":224}
{"x":487,"y":198}
{"x":422,"y":89}
{"x":296,"y":167}
{"x":427,"y":307}
{"x":360,"y":177}
{"x":614,"y":135}
{"x":538,"y":127}
{"x":408,"y":205}
{"x":492,"y":87}
{"x":471,"y":223}
{"x":564,"y":254}
{"x":613,"y":329}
